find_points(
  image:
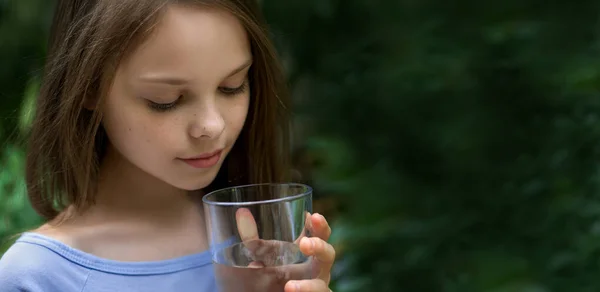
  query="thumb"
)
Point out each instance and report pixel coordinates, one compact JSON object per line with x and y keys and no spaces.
{"x":247,"y":228}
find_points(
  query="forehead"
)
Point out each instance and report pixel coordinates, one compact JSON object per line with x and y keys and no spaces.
{"x":191,"y":41}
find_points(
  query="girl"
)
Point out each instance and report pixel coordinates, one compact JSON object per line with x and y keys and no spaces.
{"x":146,"y":106}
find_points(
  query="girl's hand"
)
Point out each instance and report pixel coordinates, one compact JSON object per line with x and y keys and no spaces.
{"x":321,"y":254}
{"x":324,"y":256}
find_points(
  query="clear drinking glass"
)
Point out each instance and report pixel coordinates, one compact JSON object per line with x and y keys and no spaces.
{"x":254,"y":233}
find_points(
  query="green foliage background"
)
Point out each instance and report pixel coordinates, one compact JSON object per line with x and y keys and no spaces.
{"x":458,"y":140}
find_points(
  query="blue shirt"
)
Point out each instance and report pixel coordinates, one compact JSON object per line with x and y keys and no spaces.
{"x":37,"y":263}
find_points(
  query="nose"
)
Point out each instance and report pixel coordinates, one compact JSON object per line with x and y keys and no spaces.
{"x":207,"y":123}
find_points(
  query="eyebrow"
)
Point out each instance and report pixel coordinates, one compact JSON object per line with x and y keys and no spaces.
{"x":182,"y":81}
{"x":240,"y":68}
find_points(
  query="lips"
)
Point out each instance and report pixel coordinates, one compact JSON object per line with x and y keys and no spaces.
{"x":205,"y":160}
{"x":205,"y":155}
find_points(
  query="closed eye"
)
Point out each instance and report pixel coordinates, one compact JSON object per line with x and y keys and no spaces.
{"x":231,"y":91}
{"x":163,"y":107}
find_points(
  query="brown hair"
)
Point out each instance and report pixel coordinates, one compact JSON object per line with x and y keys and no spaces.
{"x":87,"y":42}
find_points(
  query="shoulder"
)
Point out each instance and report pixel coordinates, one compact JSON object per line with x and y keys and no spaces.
{"x":36,"y":263}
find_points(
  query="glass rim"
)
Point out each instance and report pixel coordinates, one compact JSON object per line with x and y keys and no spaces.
{"x":307,"y":191}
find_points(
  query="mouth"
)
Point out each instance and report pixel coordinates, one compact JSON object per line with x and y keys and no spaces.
{"x":205,"y":160}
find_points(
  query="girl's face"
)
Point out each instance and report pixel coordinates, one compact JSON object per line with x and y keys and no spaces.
{"x":179,"y":102}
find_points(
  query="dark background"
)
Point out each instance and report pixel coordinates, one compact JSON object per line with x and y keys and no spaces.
{"x":453,"y":146}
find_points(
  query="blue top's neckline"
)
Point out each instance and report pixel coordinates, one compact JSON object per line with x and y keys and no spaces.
{"x":113,"y":266}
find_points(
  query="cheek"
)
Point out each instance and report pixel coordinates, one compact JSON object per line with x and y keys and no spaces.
{"x":235,"y":114}
{"x":150,"y":135}
{"x":135,"y":131}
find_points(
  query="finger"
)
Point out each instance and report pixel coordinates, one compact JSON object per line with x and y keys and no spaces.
{"x":272,"y":252}
{"x":304,"y":270}
{"x":306,"y":286}
{"x":307,"y":228}
{"x":248,"y":231}
{"x":246,"y":225}
{"x":323,"y":252}
{"x":320,"y":227}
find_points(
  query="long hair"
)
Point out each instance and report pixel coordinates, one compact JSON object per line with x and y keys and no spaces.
{"x":88,"y":40}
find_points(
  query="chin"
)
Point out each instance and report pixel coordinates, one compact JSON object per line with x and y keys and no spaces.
{"x":195,"y":185}
{"x":198,"y":183}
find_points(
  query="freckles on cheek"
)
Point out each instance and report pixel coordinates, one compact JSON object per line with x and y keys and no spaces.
{"x":148,"y":137}
{"x":158,"y":135}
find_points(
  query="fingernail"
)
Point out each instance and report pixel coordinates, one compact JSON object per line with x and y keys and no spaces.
{"x":245,"y":227}
{"x":245,"y":223}
{"x":296,"y":285}
{"x":312,"y":245}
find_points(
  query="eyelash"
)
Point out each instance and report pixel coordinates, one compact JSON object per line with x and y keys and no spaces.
{"x":163,"y":107}
{"x":234,"y":91}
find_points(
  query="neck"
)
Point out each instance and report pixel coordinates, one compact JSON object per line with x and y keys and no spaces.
{"x":126,"y":192}
{"x":136,"y":217}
